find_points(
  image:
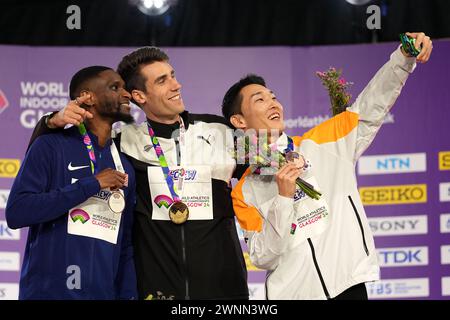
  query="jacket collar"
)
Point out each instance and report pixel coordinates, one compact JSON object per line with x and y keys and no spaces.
{"x":166,"y":130}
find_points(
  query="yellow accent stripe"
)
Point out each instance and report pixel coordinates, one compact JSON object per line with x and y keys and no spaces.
{"x":248,"y":217}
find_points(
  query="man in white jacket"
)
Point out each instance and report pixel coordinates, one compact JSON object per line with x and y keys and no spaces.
{"x":314,"y":249}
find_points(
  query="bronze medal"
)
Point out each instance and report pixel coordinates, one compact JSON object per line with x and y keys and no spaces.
{"x":178,"y":212}
{"x":291,"y":156}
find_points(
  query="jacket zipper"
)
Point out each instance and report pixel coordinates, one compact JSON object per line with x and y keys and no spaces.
{"x":322,"y":282}
{"x":186,"y":280}
{"x":360,"y":225}
{"x":183,"y":240}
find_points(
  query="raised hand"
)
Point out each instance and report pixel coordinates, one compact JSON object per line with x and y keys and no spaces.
{"x":424,"y":43}
{"x":72,"y":113}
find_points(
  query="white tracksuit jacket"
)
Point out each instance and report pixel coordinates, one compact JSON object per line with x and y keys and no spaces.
{"x":325,"y":265}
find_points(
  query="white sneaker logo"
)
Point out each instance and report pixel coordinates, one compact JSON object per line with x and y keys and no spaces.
{"x":71,"y":168}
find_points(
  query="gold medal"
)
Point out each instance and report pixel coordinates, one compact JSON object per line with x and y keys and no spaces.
{"x":178,"y":212}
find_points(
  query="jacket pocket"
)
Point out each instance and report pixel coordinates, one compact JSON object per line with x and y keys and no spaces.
{"x":360,"y":225}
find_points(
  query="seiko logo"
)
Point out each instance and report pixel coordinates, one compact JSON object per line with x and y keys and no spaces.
{"x":403,"y":225}
{"x":406,"y":256}
{"x":9,"y":168}
{"x":413,"y":193}
{"x":444,"y":160}
{"x":393,"y":163}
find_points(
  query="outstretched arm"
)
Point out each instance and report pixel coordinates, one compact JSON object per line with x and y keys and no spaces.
{"x":378,"y":97}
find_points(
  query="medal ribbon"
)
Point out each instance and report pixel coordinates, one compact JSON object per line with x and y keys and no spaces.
{"x":162,"y":159}
{"x":90,"y":148}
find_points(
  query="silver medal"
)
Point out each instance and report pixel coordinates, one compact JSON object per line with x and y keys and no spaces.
{"x":116,"y":202}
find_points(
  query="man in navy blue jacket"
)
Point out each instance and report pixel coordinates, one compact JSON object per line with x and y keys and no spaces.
{"x":76,"y":193}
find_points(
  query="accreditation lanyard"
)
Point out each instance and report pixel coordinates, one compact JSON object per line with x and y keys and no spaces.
{"x":90,"y":149}
{"x":162,"y":159}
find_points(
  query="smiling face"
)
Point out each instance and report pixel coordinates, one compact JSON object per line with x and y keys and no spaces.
{"x":110,"y":99}
{"x":162,"y":100}
{"x":260,"y":109}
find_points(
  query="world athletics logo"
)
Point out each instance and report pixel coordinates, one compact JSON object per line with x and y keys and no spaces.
{"x":3,"y":102}
{"x":79,"y":215}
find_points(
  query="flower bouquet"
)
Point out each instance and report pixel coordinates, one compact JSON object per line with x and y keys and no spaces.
{"x":337,"y":89}
{"x":265,"y":159}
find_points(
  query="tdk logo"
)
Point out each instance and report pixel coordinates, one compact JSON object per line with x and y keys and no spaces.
{"x":393,"y":163}
{"x":400,"y":257}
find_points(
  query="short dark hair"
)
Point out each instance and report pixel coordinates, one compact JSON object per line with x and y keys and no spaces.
{"x":80,"y":79}
{"x":130,"y":66}
{"x":231,"y":103}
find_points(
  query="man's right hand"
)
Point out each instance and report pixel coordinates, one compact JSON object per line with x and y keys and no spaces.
{"x":110,"y":178}
{"x":286,"y":179}
{"x":72,"y":113}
